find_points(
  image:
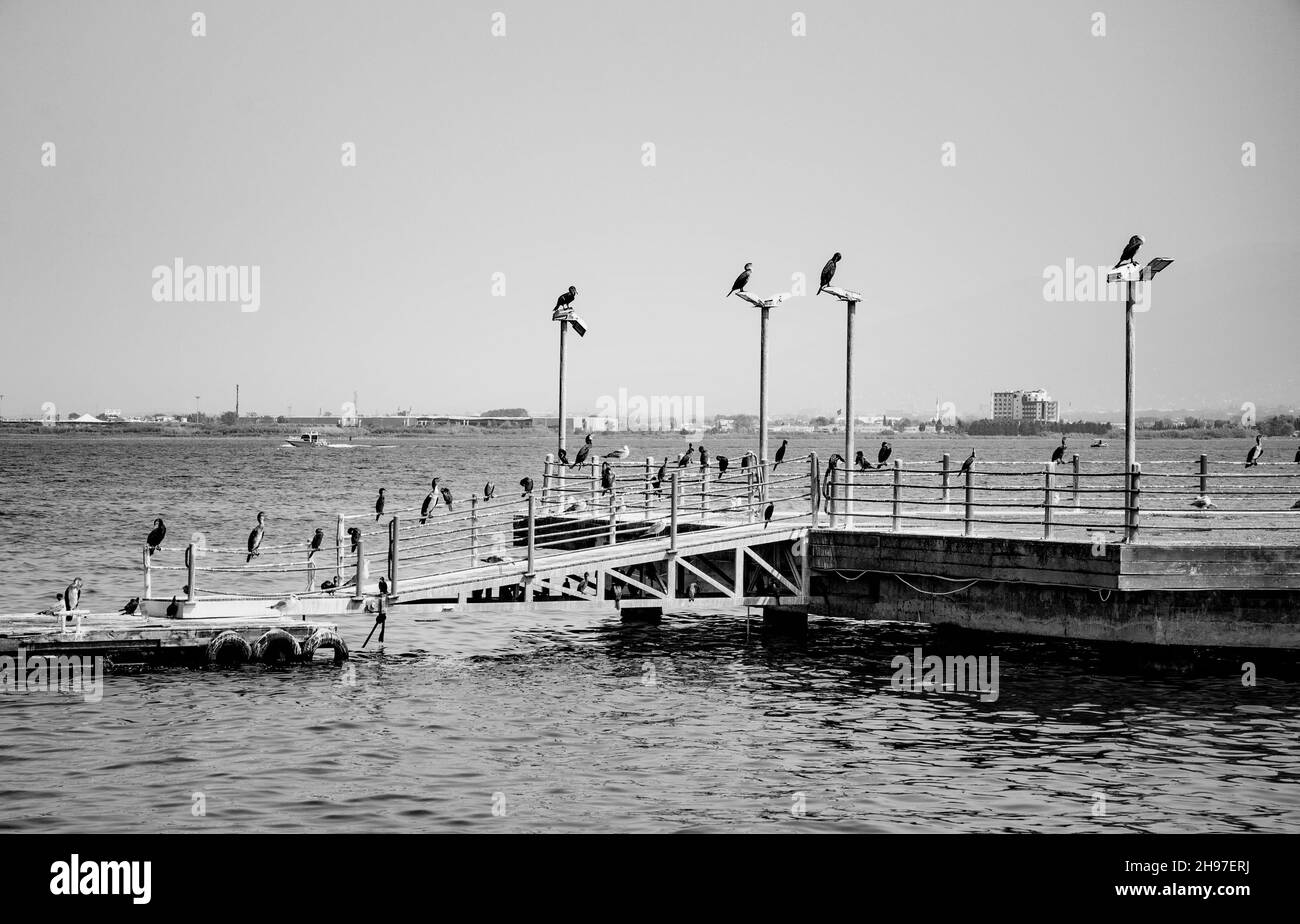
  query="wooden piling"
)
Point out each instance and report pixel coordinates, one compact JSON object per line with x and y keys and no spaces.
{"x":967,"y":526}
{"x":672,"y":515}
{"x":1048,"y":472}
{"x":947,"y":470}
{"x":1075,"y":463}
{"x":189,"y":571}
{"x":392,"y":555}
{"x":148,"y":575}
{"x":898,"y":496}
{"x":532,"y":536}
{"x":1205,"y":475}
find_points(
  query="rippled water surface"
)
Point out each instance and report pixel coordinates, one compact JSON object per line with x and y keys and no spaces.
{"x":577,"y":723}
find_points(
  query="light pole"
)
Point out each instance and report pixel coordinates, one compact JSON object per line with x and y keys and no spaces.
{"x":566,"y":317}
{"x":850,"y":300}
{"x":1132,"y":277}
{"x":765,"y":309}
{"x":196,"y":408}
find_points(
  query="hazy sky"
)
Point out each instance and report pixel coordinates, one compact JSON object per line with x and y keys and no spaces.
{"x":523,"y":155}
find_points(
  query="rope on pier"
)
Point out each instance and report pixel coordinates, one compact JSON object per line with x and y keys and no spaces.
{"x":937,"y":593}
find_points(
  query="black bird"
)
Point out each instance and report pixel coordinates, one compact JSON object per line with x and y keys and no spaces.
{"x":565,"y":300}
{"x":1297,"y":455}
{"x":430,"y":501}
{"x":316,"y":541}
{"x":966,"y":466}
{"x":834,"y":461}
{"x":355,"y":535}
{"x":156,"y":535}
{"x":685,"y":457}
{"x":1130,"y":252}
{"x":618,"y":596}
{"x":330,"y":586}
{"x":1252,"y":457}
{"x":446,"y":496}
{"x":255,"y":537}
{"x":660,"y":477}
{"x":883,"y":456}
{"x":173,"y":609}
{"x":489,"y":491}
{"x":723,"y":462}
{"x":860,"y":460}
{"x":564,"y":457}
{"x":780,"y":454}
{"x":1059,"y":452}
{"x":379,"y":505}
{"x":383,"y":587}
{"x":584,"y":583}
{"x":828,"y":272}
{"x":131,"y":606}
{"x":527,"y":484}
{"x":741,"y":280}
{"x":582,"y":453}
{"x":704,"y":457}
{"x":606,"y":479}
{"x":767,"y":514}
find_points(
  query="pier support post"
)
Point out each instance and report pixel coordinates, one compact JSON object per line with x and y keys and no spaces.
{"x":338,"y":550}
{"x":649,"y":468}
{"x":967,"y":525}
{"x":189,"y":571}
{"x":148,"y":575}
{"x":473,"y":529}
{"x":1048,"y":473}
{"x":1134,"y":497}
{"x":532,"y":535}
{"x":675,"y":499}
{"x":1205,"y":475}
{"x":785,"y":619}
{"x":392,"y":554}
{"x":359,"y":583}
{"x":704,"y":492}
{"x":595,"y":486}
{"x":814,"y":488}
{"x":898,"y":497}
{"x":613,"y":518}
{"x":546,"y":477}
{"x":564,"y":329}
{"x":1075,"y":463}
{"x":762,"y":386}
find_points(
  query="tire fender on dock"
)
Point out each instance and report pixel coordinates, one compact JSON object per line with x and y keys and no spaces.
{"x":228,"y":647}
{"x":276,"y":645}
{"x":325,"y":638}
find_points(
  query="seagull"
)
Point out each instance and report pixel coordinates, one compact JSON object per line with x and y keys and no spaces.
{"x":173,"y":609}
{"x":1059,"y":452}
{"x":1203,"y":503}
{"x":576,"y":507}
{"x":316,"y":541}
{"x":780,"y":453}
{"x":723,"y":462}
{"x":1130,"y":252}
{"x":131,"y":606}
{"x":158,"y":532}
{"x":1252,"y":457}
{"x":430,"y":501}
{"x":828,"y":272}
{"x":255,"y":537}
{"x":619,"y":453}
{"x":691,"y":590}
{"x":53,"y":610}
{"x":767,"y":514}
{"x":565,"y":300}
{"x":741,"y":280}
{"x":966,"y":466}
{"x":446,"y":496}
{"x":379,"y":505}
{"x":883,"y":456}
{"x":606,"y":479}
{"x":527,"y":484}
{"x":582,"y":585}
{"x":618,"y":596}
{"x":489,"y":491}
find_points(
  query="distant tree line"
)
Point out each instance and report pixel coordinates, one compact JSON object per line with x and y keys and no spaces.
{"x":988,"y":427}
{"x":506,"y":412}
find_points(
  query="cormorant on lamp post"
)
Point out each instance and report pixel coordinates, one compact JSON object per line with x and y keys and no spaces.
{"x":563,"y":313}
{"x":765,"y":307}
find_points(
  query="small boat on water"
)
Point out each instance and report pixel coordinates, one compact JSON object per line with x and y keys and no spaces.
{"x":1098,"y":444}
{"x":313,"y":440}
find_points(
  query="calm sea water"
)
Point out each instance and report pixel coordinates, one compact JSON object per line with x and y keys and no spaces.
{"x":577,"y":723}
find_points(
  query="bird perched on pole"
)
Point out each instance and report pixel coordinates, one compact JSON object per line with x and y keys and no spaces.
{"x":767,"y":514}
{"x":563,"y":456}
{"x":316,"y":541}
{"x":354,"y":534}
{"x":723,"y":462}
{"x":527,"y":484}
{"x":685,"y":457}
{"x":780,"y":454}
{"x":741,"y":280}
{"x":1059,"y":452}
{"x":606,"y":478}
{"x":566,"y":299}
{"x":1252,"y":457}
{"x":883,"y":456}
{"x":72,"y":596}
{"x":446,"y":496}
{"x":379,"y":505}
{"x":1130,"y":251}
{"x":704,"y":457}
{"x":828,"y":272}
{"x":970,"y":461}
{"x":156,"y":535}
{"x":583,"y":452}
{"x":430,"y":501}
{"x":489,"y":491}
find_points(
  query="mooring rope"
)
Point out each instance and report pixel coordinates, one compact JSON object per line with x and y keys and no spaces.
{"x":937,"y":593}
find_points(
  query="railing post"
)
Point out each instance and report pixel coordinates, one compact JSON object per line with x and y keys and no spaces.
{"x":1075,"y":463}
{"x":649,"y":468}
{"x":898,"y":496}
{"x":392,"y":555}
{"x":613,"y":519}
{"x":815,"y":490}
{"x":672,"y":515}
{"x":473,"y":529}
{"x":704,"y":492}
{"x":546,"y":475}
{"x":338,"y":550}
{"x":1205,"y":475}
{"x":357,"y":592}
{"x":189,"y":571}
{"x":947,"y":472}
{"x":968,"y":526}
{"x":1134,"y":494}
{"x":532,"y":535}
{"x":1048,"y":471}
{"x":148,"y":575}
{"x":832,"y":502}
{"x":595,"y":484}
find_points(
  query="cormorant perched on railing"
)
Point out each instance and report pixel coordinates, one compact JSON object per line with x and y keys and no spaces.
{"x":685,"y":457}
{"x":563,"y":455}
{"x":446,"y":496}
{"x":704,"y":457}
{"x":583,"y":452}
{"x":1252,"y":457}
{"x":780,"y":454}
{"x":489,"y":491}
{"x":860,"y":460}
{"x":883,"y":455}
{"x":660,"y":477}
{"x":430,"y":501}
{"x":1059,"y":452}
{"x":156,"y":535}
{"x":970,"y":461}
{"x":72,"y":596}
{"x":565,"y":300}
{"x":741,"y":280}
{"x":527,"y":484}
{"x":828,"y":272}
{"x":316,"y":541}
{"x":1130,"y":251}
{"x":723,"y":462}
{"x":767,"y":514}
{"x":606,"y":479}
{"x":354,"y":534}
{"x":255,"y":537}
{"x":379,"y":505}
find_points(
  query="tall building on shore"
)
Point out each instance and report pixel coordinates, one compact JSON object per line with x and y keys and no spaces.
{"x":1029,"y":404}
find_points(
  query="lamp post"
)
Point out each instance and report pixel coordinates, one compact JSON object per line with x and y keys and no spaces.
{"x":850,"y":300}
{"x":765,"y":307}
{"x":1132,"y":276}
{"x":565,"y":317}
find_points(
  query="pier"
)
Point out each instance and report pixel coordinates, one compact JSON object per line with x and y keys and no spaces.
{"x":1176,"y":553}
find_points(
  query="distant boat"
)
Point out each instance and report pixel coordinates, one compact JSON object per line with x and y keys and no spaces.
{"x":313,"y":440}
{"x":1098,"y":444}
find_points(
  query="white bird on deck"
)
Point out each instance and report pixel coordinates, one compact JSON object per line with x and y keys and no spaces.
{"x":1203,"y":503}
{"x":289,"y":606}
{"x":619,"y":453}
